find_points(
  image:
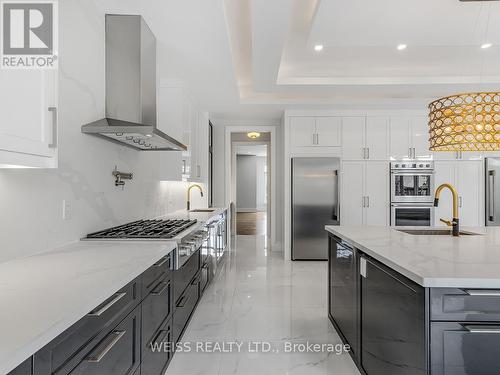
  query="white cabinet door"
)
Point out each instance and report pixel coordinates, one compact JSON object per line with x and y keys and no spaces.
{"x":203,"y":147}
{"x":328,"y":131}
{"x":444,"y":155}
{"x":28,"y":112}
{"x":302,"y":131}
{"x":399,"y":131}
{"x":171,"y":112}
{"x":353,"y":138}
{"x":420,"y":137}
{"x":377,"y":138}
{"x":351,"y":205}
{"x":445,"y":172}
{"x":377,"y":193}
{"x":470,"y":187}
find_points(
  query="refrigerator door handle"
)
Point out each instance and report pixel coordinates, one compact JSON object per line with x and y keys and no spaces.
{"x":336,"y":215}
{"x":491,"y":195}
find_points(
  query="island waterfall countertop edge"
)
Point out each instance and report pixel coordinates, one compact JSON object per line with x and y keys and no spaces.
{"x":44,"y":294}
{"x":432,"y":260}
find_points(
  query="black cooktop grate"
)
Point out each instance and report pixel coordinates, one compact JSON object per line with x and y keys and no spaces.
{"x":145,"y":229}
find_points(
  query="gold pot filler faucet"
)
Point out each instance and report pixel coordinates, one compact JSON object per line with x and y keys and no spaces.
{"x":189,"y":193}
{"x":454,"y":222}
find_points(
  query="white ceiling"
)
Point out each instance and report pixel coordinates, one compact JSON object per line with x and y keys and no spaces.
{"x":250,"y":59}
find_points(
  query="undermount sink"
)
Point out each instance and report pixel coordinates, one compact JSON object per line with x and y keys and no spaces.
{"x":434,"y":232}
{"x":203,"y":210}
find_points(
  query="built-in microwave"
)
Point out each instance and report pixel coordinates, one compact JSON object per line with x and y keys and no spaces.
{"x":412,"y":214}
{"x":412,"y":182}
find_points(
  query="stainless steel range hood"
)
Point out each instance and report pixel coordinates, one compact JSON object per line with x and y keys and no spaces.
{"x":131,"y":88}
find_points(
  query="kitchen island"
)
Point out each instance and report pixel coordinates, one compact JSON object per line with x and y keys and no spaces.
{"x":411,"y":302}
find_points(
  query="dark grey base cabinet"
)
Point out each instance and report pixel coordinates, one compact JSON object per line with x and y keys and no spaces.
{"x":393,"y":340}
{"x":134,"y":331}
{"x":397,"y":327}
{"x":343,"y":291}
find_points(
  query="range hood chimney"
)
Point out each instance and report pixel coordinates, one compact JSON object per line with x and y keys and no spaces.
{"x":131,"y":88}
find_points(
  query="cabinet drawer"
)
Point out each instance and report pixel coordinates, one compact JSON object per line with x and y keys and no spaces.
{"x":204,"y":276}
{"x":184,"y":275}
{"x":25,"y":368}
{"x":118,"y":353}
{"x":155,"y":309}
{"x":160,"y":269}
{"x":465,"y":348}
{"x":185,"y":307}
{"x":70,"y":345}
{"x":158,"y":351}
{"x":465,"y":304}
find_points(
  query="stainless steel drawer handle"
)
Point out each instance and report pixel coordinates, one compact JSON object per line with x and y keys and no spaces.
{"x":482,"y":329}
{"x":182,"y":301}
{"x":53,"y":144}
{"x":483,"y":293}
{"x":159,"y":292}
{"x":115,"y":337}
{"x":102,"y":310}
{"x":161,"y":262}
{"x":163,"y":334}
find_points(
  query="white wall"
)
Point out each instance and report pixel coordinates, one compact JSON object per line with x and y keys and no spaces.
{"x":246,"y":183}
{"x":250,"y":183}
{"x":31,"y":200}
{"x":260,"y":182}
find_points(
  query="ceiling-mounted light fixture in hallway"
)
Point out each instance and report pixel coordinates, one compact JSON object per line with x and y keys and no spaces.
{"x":253,"y":135}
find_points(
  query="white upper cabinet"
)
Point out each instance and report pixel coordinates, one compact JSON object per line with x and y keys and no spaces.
{"x":302,"y":131}
{"x":468,"y":177}
{"x":199,"y":148}
{"x":365,"y":138}
{"x":377,"y":138}
{"x":328,"y":130}
{"x":171,"y":114}
{"x":409,"y":138}
{"x":310,"y":131}
{"x":28,"y":118}
{"x":400,"y":138}
{"x":419,"y":137}
{"x":353,"y":138}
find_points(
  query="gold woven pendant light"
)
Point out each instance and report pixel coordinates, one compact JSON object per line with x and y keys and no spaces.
{"x":465,"y":122}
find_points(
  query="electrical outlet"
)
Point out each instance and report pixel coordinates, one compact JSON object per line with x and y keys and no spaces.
{"x":66,"y":210}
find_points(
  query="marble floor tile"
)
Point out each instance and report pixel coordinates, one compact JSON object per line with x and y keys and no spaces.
{"x":258,"y":296}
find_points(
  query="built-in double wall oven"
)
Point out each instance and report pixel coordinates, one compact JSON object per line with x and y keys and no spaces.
{"x":412,"y":189}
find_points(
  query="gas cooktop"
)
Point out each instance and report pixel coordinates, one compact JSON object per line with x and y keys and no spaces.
{"x":144,"y":229}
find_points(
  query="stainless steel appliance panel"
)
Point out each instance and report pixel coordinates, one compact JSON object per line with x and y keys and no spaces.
{"x":492,"y":191}
{"x":315,"y":203}
{"x":412,"y":182}
{"x":412,"y":214}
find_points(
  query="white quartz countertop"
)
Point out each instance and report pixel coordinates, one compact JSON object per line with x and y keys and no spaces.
{"x":44,"y":294}
{"x":432,"y":261}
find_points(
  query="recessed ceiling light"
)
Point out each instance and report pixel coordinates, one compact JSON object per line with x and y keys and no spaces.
{"x":486,"y":45}
{"x":318,"y":47}
{"x":401,"y":47}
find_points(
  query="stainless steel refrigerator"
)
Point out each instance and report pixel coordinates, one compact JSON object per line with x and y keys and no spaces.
{"x":315,"y":203}
{"x":492,"y":191}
